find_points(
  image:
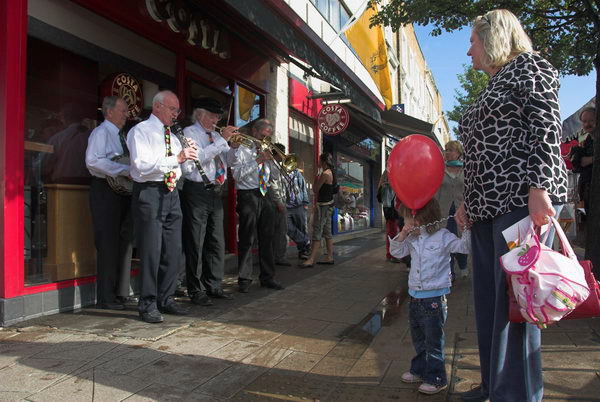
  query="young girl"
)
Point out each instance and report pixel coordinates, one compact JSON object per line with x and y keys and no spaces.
{"x":429,"y":282}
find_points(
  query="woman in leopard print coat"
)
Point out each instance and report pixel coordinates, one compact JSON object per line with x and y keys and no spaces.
{"x":511,"y":135}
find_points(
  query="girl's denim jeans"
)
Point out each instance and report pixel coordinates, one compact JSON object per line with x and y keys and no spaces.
{"x":427,"y":318}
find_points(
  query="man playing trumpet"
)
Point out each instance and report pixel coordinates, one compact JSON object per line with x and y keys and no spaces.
{"x":251,"y":168}
{"x":203,"y":236}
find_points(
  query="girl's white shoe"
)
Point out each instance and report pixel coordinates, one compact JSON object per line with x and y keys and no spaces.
{"x":410,"y":378}
{"x":431,"y":389}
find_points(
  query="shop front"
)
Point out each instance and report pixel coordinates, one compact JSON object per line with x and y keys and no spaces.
{"x":61,"y":58}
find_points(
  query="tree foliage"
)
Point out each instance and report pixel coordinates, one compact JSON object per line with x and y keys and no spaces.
{"x":567,"y":33}
{"x":472,"y":82}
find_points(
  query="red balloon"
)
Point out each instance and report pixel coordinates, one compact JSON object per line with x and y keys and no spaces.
{"x":415,"y":170}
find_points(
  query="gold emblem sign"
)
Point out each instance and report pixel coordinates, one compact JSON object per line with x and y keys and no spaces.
{"x":129,"y":88}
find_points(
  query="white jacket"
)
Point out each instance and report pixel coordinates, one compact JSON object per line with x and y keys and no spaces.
{"x":430,"y":256}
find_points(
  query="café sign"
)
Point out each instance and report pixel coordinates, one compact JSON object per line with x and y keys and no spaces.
{"x":127,"y":87}
{"x":333,"y":119}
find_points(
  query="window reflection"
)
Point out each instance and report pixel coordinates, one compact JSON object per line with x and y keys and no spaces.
{"x":354,"y":209}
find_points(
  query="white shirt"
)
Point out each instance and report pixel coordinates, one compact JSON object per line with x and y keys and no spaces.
{"x":430,"y":256}
{"x":104,"y":144}
{"x":146,"y":142}
{"x":245,"y":168}
{"x":207,"y":152}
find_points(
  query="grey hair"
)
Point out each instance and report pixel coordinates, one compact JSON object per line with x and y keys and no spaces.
{"x":109,"y":102}
{"x":160,"y":96}
{"x":502,"y":36}
{"x":261,"y":124}
{"x":197,"y":112}
{"x":587,"y":109}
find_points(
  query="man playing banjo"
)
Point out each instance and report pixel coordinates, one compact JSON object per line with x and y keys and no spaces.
{"x":111,"y":216}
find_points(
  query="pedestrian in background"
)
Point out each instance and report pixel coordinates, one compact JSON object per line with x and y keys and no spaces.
{"x":429,"y":282}
{"x":297,"y":205}
{"x":323,"y":211}
{"x":511,"y":135}
{"x":450,"y":196}
{"x":387,"y":198}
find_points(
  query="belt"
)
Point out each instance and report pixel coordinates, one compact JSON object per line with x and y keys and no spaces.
{"x":251,"y":190}
{"x":212,"y":187}
{"x":150,"y":183}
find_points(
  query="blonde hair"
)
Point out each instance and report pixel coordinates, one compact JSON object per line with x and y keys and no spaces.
{"x":502,"y":36}
{"x":455,"y":146}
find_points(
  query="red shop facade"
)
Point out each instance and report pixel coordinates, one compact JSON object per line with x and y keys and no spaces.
{"x":59,"y":59}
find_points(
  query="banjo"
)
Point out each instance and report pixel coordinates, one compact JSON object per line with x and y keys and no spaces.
{"x":121,"y":185}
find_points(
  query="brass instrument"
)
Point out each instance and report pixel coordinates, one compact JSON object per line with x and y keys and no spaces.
{"x":289,"y":162}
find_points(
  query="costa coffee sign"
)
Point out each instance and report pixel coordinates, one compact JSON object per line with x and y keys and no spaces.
{"x":127,"y":87}
{"x":333,"y":119}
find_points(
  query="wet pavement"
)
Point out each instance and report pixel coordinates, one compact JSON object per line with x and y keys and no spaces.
{"x":336,"y":333}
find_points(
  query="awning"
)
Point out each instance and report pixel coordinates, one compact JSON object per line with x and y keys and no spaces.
{"x":400,"y":125}
{"x":295,"y":39}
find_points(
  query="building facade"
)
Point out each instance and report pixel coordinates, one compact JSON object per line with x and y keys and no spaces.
{"x":280,"y":59}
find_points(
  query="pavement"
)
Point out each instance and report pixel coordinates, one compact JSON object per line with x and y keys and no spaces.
{"x":336,"y":333}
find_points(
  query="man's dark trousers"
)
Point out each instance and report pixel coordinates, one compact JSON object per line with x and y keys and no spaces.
{"x":203,"y":237}
{"x":256,"y":215}
{"x":157,"y":223}
{"x":113,"y":238}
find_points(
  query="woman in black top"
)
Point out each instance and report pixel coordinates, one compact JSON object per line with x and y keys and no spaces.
{"x":323,"y":189}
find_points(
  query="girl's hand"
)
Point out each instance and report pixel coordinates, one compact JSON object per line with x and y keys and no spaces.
{"x":405,"y":232}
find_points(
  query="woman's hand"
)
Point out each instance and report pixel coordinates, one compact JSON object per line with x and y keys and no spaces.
{"x":540,"y":206}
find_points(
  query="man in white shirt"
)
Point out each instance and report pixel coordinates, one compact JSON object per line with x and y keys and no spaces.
{"x":251,"y":169}
{"x":110,"y":211}
{"x":202,"y":204}
{"x":156,"y":156}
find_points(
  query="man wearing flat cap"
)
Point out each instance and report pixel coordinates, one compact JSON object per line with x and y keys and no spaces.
{"x":203,"y":236}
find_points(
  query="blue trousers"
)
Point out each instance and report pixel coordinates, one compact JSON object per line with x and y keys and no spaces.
{"x":427,"y":317}
{"x":509,"y":353}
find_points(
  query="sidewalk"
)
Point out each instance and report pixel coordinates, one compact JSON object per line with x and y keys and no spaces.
{"x":336,"y":334}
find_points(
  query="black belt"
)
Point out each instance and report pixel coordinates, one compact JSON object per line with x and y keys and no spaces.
{"x":151,"y":183}
{"x":209,"y":187}
{"x":252,"y":190}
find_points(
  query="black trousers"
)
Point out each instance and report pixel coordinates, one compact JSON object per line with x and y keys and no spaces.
{"x":157,"y":223}
{"x":256,"y":216}
{"x":203,"y":237}
{"x":113,"y":232}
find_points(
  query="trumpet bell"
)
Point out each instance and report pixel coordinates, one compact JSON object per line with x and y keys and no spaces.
{"x":290,"y":163}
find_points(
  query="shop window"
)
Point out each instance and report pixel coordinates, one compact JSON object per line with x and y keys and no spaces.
{"x":62,"y":108}
{"x":302,"y":139}
{"x":247,"y":106}
{"x":353,"y":201}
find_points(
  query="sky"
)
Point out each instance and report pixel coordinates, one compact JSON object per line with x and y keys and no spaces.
{"x":445,"y":55}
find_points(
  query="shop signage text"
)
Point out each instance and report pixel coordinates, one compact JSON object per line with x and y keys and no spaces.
{"x":333,"y":119}
{"x":199,"y":30}
{"x":127,"y":87}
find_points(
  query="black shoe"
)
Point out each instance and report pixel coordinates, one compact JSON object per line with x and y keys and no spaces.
{"x":173,"y":308}
{"x":181,"y":291}
{"x":153,"y":317}
{"x":271,"y":285}
{"x":243,"y":286}
{"x":111,"y":306}
{"x":127,"y":300}
{"x":474,"y":395}
{"x":201,"y":299}
{"x":283,"y":263}
{"x":219,"y":295}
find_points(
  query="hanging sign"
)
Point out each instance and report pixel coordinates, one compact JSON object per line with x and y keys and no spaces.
{"x":333,"y":119}
{"x":128,"y":88}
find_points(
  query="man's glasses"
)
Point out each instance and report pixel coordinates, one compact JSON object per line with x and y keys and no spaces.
{"x":173,"y":109}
